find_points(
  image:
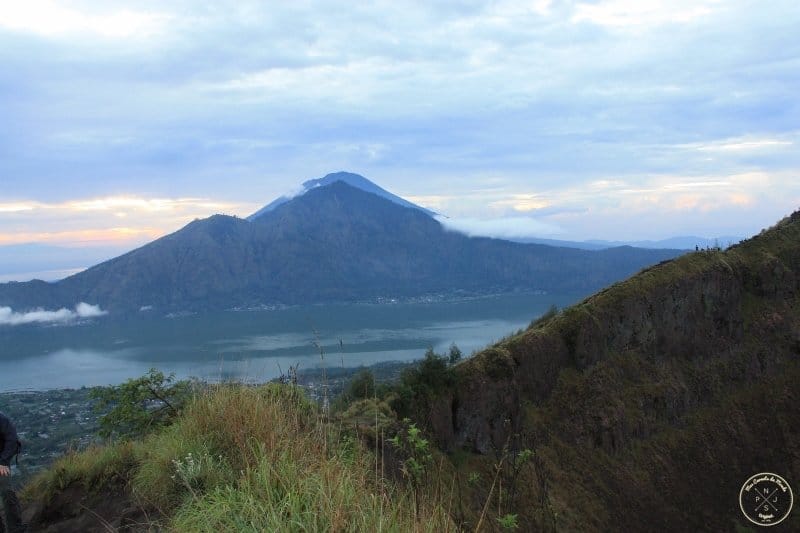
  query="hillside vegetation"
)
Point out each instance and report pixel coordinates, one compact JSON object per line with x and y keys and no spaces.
{"x":648,"y":403}
{"x":237,"y":458}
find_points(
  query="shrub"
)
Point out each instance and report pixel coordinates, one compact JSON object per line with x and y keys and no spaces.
{"x":421,"y":383}
{"x":417,"y":456}
{"x":508,"y":521}
{"x":548,"y":315}
{"x":361,"y":386}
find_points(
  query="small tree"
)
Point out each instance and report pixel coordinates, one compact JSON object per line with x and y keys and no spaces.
{"x":140,"y":404}
{"x":454,"y":356}
{"x":431,"y":373}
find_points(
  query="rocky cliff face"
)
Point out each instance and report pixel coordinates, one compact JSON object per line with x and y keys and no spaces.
{"x":622,"y":388}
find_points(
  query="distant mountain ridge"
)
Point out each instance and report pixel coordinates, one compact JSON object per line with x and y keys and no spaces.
{"x":335,"y":242}
{"x":688,"y":242}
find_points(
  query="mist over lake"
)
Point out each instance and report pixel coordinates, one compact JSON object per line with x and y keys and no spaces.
{"x":255,"y":345}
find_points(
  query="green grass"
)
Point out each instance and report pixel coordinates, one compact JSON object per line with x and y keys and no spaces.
{"x":93,"y":468}
{"x":250,"y":459}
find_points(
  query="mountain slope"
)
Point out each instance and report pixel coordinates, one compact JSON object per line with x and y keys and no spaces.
{"x":335,"y":242}
{"x":650,"y":402}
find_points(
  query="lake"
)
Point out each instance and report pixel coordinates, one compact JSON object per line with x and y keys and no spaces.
{"x":255,"y":345}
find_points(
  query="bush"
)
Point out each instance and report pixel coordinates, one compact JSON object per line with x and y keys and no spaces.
{"x":422,"y":383}
{"x":551,"y":312}
{"x":431,"y":374}
{"x":361,"y":387}
{"x":418,"y":384}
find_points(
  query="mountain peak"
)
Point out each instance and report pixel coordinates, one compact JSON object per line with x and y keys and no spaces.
{"x":350,"y":178}
{"x":354,"y":180}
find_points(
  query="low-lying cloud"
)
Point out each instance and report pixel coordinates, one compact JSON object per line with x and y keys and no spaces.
{"x":501,"y":228}
{"x":9,"y":317}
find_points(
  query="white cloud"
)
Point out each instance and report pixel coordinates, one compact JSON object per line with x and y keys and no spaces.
{"x":50,"y":19}
{"x":8,"y":317}
{"x":523,"y":202}
{"x":501,"y":228}
{"x":105,"y":234}
{"x":84,"y":310}
{"x":17,"y":207}
{"x":99,"y":219}
{"x":116,"y":203}
{"x":142,"y":204}
{"x":741,"y":144}
{"x":632,"y":14}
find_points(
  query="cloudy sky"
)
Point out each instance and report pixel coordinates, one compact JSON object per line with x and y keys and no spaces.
{"x":617,"y":119}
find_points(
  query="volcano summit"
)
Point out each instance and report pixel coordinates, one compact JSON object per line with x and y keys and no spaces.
{"x":342,"y":238}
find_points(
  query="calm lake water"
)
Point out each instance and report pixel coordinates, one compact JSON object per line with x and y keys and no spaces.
{"x":255,"y":345}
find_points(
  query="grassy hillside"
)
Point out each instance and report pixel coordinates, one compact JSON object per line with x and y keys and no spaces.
{"x":237,"y":459}
{"x":648,"y":403}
